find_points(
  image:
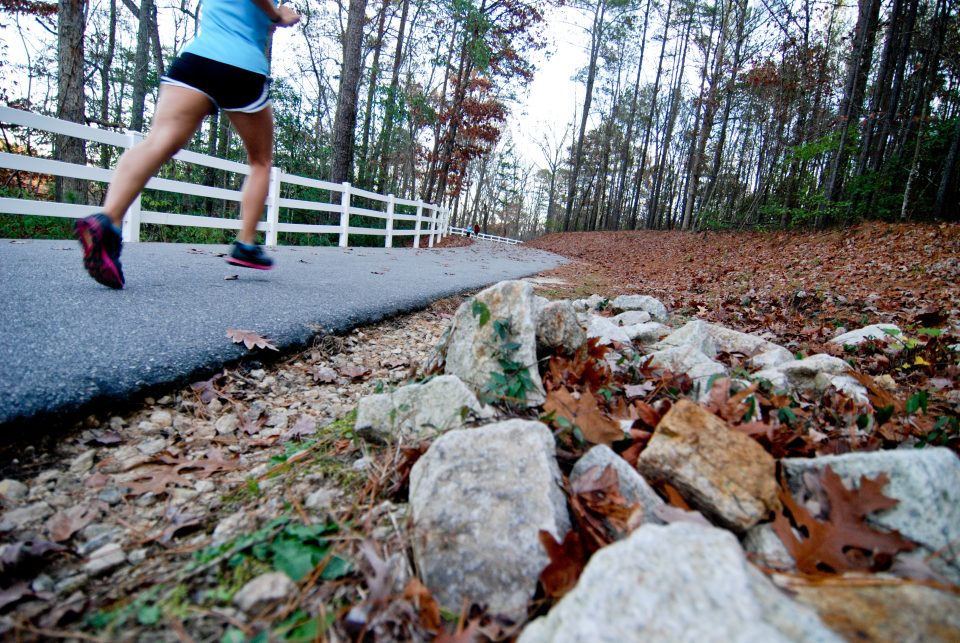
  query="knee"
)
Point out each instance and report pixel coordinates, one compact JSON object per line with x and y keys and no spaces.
{"x":261,"y":162}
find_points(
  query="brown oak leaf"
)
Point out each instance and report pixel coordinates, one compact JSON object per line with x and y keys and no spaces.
{"x":63,"y":524}
{"x":845,"y":541}
{"x":355,"y":371}
{"x":595,"y":425}
{"x":567,"y":560}
{"x":249,"y":339}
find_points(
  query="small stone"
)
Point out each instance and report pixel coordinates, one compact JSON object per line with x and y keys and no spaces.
{"x":153,"y":447}
{"x":652,"y":305}
{"x":107,"y":558}
{"x":96,"y":536}
{"x":166,"y":400}
{"x":204,"y":486}
{"x":70,"y":584}
{"x":83,"y":462}
{"x":361,"y":464}
{"x":147,"y":427}
{"x":277,"y":420}
{"x":110,"y":495}
{"x":24,"y":516}
{"x":215,"y":406}
{"x":137,"y":556}
{"x":116,"y":423}
{"x":42,"y":583}
{"x":258,"y":374}
{"x":48,"y":476}
{"x":268,"y":381}
{"x":180,"y":496}
{"x":234,"y":524}
{"x":13,"y":489}
{"x":263,"y":590}
{"x":162,"y":418}
{"x":631,"y":318}
{"x":227,"y":424}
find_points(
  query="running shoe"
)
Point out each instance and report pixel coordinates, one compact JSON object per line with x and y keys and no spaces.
{"x":101,"y":249}
{"x":249,"y":257}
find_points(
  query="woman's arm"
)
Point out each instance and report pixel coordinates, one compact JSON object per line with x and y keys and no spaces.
{"x":282,"y":16}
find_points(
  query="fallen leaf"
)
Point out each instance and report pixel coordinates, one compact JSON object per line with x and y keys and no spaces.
{"x":355,"y":371}
{"x":596,"y":426}
{"x":567,"y":560}
{"x":845,"y":541}
{"x":63,"y":524}
{"x":418,"y":594}
{"x":249,"y":339}
{"x":304,"y":426}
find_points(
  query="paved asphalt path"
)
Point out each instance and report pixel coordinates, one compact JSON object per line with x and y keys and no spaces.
{"x":68,"y":344}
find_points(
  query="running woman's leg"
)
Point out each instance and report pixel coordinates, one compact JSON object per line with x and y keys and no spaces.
{"x":256,"y":131}
{"x":178,"y":115}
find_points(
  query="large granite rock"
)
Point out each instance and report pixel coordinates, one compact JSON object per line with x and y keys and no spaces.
{"x":721,"y":472}
{"x":479,"y":499}
{"x":473,"y":350}
{"x":646,"y":303}
{"x":633,"y":487}
{"x":883,"y":332}
{"x":682,"y":582}
{"x":926,"y":482}
{"x":418,"y":411}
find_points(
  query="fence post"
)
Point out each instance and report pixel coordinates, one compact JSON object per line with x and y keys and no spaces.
{"x":416,"y":229}
{"x":433,"y":226}
{"x":391,"y":206}
{"x":344,"y":214}
{"x":273,"y":206}
{"x":131,"y":220}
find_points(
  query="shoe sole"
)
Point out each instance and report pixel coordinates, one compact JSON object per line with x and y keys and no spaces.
{"x":97,"y":262}
{"x":247,"y":264}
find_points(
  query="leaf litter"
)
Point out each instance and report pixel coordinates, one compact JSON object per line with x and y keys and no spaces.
{"x":593,"y":400}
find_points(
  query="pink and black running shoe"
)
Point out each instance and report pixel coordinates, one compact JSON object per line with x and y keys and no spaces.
{"x":249,"y":257}
{"x":101,"y":249}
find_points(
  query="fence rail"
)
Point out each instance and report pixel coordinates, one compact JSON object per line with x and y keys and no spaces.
{"x":467,"y":232}
{"x":430,"y":220}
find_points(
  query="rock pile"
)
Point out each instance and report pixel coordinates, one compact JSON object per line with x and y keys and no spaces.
{"x":488,"y":486}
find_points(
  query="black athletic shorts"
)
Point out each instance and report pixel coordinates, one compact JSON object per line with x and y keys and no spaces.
{"x":230,"y":88}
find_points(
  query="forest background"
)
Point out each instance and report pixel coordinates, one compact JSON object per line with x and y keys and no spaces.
{"x":691,"y":114}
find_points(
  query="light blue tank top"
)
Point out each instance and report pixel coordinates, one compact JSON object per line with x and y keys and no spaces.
{"x":232,"y":32}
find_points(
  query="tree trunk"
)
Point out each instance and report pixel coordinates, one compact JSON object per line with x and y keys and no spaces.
{"x":852,"y":103}
{"x":106,"y":64}
{"x":390,"y":109}
{"x":371,"y":91}
{"x":596,"y":40}
{"x":71,"y":104}
{"x":345,"y":123}
{"x":141,"y":62}
{"x":941,"y":207}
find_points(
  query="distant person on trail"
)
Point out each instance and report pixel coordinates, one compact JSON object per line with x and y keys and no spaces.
{"x":476,"y":229}
{"x":225,"y":68}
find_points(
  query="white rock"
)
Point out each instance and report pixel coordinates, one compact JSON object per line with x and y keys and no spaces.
{"x":678,"y":583}
{"x":16,"y":519}
{"x":631,"y":318}
{"x":606,"y":331}
{"x":473,"y":352}
{"x":418,"y":411}
{"x":651,"y":305}
{"x":647,"y":333}
{"x":479,"y":499}
{"x":227,"y":424}
{"x":153,"y":447}
{"x":263,"y":590}
{"x":13,"y":489}
{"x":83,"y":462}
{"x":161,"y":418}
{"x":885,"y":332}
{"x":107,"y":558}
{"x":689,"y":360}
{"x":234,"y":524}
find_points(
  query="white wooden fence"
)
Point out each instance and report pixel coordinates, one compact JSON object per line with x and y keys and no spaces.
{"x":430,"y":220}
{"x":468,"y":232}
